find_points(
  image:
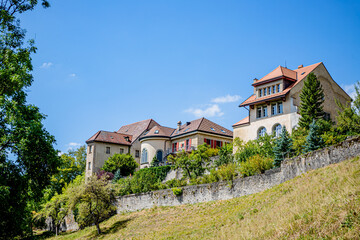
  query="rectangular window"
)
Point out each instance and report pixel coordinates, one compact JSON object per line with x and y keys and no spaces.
{"x":265,"y":92}
{"x":90,"y":148}
{"x":107,"y":150}
{"x":89,"y":165}
{"x":264,"y":111}
{"x":273,"y":109}
{"x":278,"y":88}
{"x":121,"y":150}
{"x":258,"y":114}
{"x":137,"y":153}
{"x":260,"y":92}
{"x":273,"y":87}
{"x":269,"y":90}
{"x":280,"y":108}
{"x":218,"y":143}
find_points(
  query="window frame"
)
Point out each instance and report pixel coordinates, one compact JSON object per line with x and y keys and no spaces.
{"x":107,"y":150}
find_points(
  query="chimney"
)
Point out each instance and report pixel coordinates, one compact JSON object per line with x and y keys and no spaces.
{"x":178,"y":125}
{"x":300,"y":66}
{"x":255,"y":79}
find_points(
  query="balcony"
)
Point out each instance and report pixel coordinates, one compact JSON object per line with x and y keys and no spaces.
{"x":185,"y":148}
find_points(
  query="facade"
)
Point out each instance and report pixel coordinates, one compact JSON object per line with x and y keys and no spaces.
{"x":275,"y":101}
{"x":146,"y":139}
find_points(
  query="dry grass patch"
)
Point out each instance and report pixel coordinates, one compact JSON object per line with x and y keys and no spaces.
{"x":321,"y":204}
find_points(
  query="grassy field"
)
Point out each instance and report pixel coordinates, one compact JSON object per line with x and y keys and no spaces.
{"x":322,"y":204}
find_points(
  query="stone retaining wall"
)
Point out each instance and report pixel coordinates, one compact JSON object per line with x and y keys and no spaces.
{"x":290,"y":168}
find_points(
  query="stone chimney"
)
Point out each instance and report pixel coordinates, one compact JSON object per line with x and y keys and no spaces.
{"x":255,"y":79}
{"x":178,"y":125}
{"x":300,"y":66}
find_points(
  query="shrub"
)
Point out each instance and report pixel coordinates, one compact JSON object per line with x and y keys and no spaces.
{"x":125,"y":162}
{"x":177,"y":191}
{"x":227,"y":172}
{"x":255,"y":165}
{"x":105,"y":175}
{"x":299,"y":138}
{"x":211,"y":152}
{"x":262,"y":146}
{"x":225,"y":155}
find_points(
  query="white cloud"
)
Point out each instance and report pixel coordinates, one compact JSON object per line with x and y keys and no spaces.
{"x":226,"y":99}
{"x":46,"y":65}
{"x":72,"y":75}
{"x":212,"y":110}
{"x":73,"y":145}
{"x":350,"y":89}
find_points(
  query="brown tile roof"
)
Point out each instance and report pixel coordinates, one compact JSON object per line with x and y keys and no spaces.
{"x":243,"y":121}
{"x":204,"y":125}
{"x":301,"y":73}
{"x":158,"y":131}
{"x":136,"y":129}
{"x":277,"y":73}
{"x":110,"y":137}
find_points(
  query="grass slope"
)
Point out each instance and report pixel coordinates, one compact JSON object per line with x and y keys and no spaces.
{"x":321,"y":204}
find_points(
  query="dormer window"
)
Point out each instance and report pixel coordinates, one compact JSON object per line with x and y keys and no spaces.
{"x":260,"y":92}
{"x":269,"y":90}
{"x":156,"y":132}
{"x":212,"y":129}
{"x":265,"y":91}
{"x":273,"y":87}
{"x":278,"y":88}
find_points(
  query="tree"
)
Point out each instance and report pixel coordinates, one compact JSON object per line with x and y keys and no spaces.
{"x":225,"y":155}
{"x":348,"y":119}
{"x":154,"y":162}
{"x":283,"y":147}
{"x":313,"y":140}
{"x":192,"y":164}
{"x":56,"y":209}
{"x":94,"y":201}
{"x":312,"y":99}
{"x":27,"y":156}
{"x":125,"y":162}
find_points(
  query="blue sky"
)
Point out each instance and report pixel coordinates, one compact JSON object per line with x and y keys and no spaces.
{"x":101,"y":65}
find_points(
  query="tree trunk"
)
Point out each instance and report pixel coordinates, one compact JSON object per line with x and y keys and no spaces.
{"x":56,"y":229}
{"x":98,"y":228}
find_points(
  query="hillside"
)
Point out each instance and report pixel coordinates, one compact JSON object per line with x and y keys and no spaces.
{"x":324,"y":203}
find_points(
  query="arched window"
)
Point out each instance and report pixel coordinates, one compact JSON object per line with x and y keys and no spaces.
{"x":144,"y":156}
{"x":277,"y":130}
{"x":261,"y":132}
{"x":159,"y":155}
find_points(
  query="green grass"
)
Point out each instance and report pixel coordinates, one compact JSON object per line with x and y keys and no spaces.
{"x":321,"y":204}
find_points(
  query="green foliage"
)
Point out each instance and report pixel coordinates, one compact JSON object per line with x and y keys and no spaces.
{"x":154,"y":162}
{"x":298,"y":136}
{"x":144,"y":180}
{"x":94,"y":201}
{"x":125,"y":162}
{"x":312,"y":99}
{"x":348,"y":119}
{"x":193,"y":164}
{"x":227,"y":172}
{"x":283,"y":147}
{"x":255,"y":165}
{"x":27,"y":156}
{"x":56,"y":209}
{"x":212,"y":152}
{"x":314,"y":140}
{"x":117,"y":176}
{"x":225,"y":155}
{"x":262,"y":146}
{"x":177,"y":191}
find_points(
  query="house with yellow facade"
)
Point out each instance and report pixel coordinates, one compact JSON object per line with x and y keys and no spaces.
{"x":147,"y":138}
{"x":275,"y":101}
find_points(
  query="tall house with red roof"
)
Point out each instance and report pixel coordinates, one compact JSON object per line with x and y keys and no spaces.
{"x":146,"y":139}
{"x":275,"y":101}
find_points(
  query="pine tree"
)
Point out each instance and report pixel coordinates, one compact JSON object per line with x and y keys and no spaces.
{"x":312,"y":99}
{"x":283,"y":147}
{"x":313,"y":140}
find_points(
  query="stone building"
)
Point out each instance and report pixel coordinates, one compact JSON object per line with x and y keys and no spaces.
{"x":275,"y":101}
{"x":146,"y":139}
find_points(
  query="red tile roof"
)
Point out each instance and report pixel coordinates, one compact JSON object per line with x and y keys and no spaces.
{"x":110,"y":137}
{"x":203,"y":125}
{"x":158,"y":131}
{"x":242,"y":122}
{"x":279,"y":72}
{"x":136,"y":129}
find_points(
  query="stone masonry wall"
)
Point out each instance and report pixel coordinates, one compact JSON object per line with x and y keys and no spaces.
{"x":290,"y":168}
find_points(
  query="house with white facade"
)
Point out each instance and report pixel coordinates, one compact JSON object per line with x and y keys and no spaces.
{"x":275,"y":101}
